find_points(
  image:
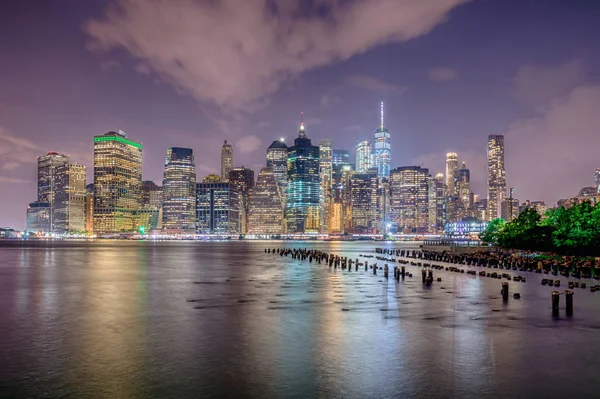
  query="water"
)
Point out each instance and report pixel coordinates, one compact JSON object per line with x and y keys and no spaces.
{"x":225,"y":320}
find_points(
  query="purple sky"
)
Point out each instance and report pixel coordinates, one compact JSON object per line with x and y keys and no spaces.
{"x":193,"y":73}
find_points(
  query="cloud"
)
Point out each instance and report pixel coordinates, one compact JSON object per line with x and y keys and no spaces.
{"x":247,"y":144}
{"x":10,"y":165}
{"x":372,"y":84}
{"x":553,"y":154}
{"x":16,"y":141}
{"x":443,"y":74}
{"x":234,"y":53}
{"x":328,"y":99}
{"x":5,"y":179}
{"x":537,"y":85}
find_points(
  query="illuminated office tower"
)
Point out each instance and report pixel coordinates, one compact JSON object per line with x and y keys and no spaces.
{"x":226,"y":161}
{"x":383,"y":207}
{"x":46,"y":179}
{"x":597,"y":180}
{"x":383,"y":150}
{"x":496,"y":176}
{"x":117,"y":183}
{"x":69,"y":198}
{"x":409,"y":192}
{"x":364,"y":202}
{"x":217,"y":209}
{"x":265,"y":209}
{"x":302,"y":200}
{"x":277,"y":159}
{"x":451,"y":168}
{"x":38,"y":217}
{"x":211,"y":178}
{"x":325,"y":175}
{"x":242,"y":179}
{"x":336,"y":219}
{"x":340,"y":157}
{"x":437,"y":193}
{"x":89,"y":208}
{"x":462,"y":184}
{"x":179,"y":191}
{"x":364,"y":156}
{"x":150,"y":215}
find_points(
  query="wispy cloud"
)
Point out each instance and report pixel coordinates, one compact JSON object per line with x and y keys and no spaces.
{"x":443,"y":74}
{"x":248,"y":144}
{"x":234,"y":53}
{"x":373,"y":84}
{"x":12,"y":180}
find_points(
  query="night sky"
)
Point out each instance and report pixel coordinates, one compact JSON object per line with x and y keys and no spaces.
{"x":193,"y":73}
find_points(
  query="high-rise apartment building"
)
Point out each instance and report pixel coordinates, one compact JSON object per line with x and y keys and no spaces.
{"x":179,"y":191}
{"x":265,"y":209}
{"x":46,"y":180}
{"x":242,"y":179}
{"x":364,"y":187}
{"x":340,"y":157}
{"x":303,"y":189}
{"x":451,"y":168}
{"x":409,"y":191}
{"x":364,"y":156}
{"x":383,"y":149}
{"x":217,"y":209}
{"x":117,"y":183}
{"x":325,"y":174}
{"x":496,"y":176}
{"x":462,"y":184}
{"x":277,"y":159}
{"x":69,"y":198}
{"x":226,"y":161}
{"x":437,"y":193}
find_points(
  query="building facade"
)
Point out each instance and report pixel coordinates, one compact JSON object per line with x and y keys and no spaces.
{"x":340,"y":157}
{"x":150,"y":215}
{"x":364,"y":188}
{"x":265,"y":210}
{"x":383,"y":150}
{"x":277,"y":159}
{"x":496,"y":176}
{"x":47,"y":166}
{"x":409,"y":191}
{"x":364,"y":156}
{"x":217,"y":209}
{"x":437,"y":214}
{"x":325,"y":175}
{"x":303,"y":189}
{"x":179,"y":191}
{"x":242,"y":179}
{"x":451,"y":168}
{"x":226,"y":161}
{"x":117,"y":183}
{"x":69,"y":198}
{"x":38,"y":217}
{"x":89,"y":208}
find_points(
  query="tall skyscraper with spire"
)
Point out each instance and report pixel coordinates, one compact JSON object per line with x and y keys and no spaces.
{"x":496,"y":175}
{"x":302,"y":208}
{"x":226,"y":161}
{"x":383,"y":150}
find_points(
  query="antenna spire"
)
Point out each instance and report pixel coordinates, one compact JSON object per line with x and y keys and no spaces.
{"x":302,"y":134}
{"x":382,"y":115}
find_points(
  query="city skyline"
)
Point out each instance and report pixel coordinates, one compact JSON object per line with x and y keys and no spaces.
{"x":60,"y":94}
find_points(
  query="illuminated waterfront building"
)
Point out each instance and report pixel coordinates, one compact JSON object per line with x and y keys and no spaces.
{"x":179,"y":191}
{"x":451,"y":168}
{"x":242,"y":179}
{"x":336,"y":220}
{"x":38,"y":217}
{"x":150,"y":215}
{"x":226,"y":161}
{"x":364,"y":202}
{"x":217,"y":209}
{"x":364,"y":156}
{"x":325,"y":175}
{"x":117,"y":183}
{"x":437,"y":193}
{"x":46,"y":179}
{"x":89,"y":208}
{"x":265,"y":209}
{"x":496,"y":175}
{"x":340,"y":157}
{"x":302,"y":199}
{"x":383,"y":150}
{"x":69,"y":198}
{"x":409,"y":192}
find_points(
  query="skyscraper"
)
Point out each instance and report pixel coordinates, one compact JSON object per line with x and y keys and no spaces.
{"x":89,"y":208}
{"x":496,"y":175}
{"x":409,"y":191}
{"x":451,"y":168}
{"x":364,"y":202}
{"x":325,"y":174}
{"x":150,"y":216}
{"x":340,"y":157}
{"x":302,"y":200}
{"x":242,"y":179}
{"x":364,"y":156}
{"x":383,"y":150}
{"x":265,"y":209}
{"x":117,"y":183}
{"x":226,"y":161}
{"x":46,"y":179}
{"x":179,"y":191}
{"x":462,"y":184}
{"x":69,"y":198}
{"x":277,"y":159}
{"x":217,"y":209}
{"x":437,"y":193}
{"x":38,"y":217}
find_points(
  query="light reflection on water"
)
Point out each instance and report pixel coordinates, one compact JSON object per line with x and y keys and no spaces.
{"x":112,"y":319}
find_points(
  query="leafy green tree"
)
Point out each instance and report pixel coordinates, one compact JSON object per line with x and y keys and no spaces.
{"x":493,"y":231}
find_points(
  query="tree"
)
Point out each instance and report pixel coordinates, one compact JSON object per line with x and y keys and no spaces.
{"x":493,"y":231}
